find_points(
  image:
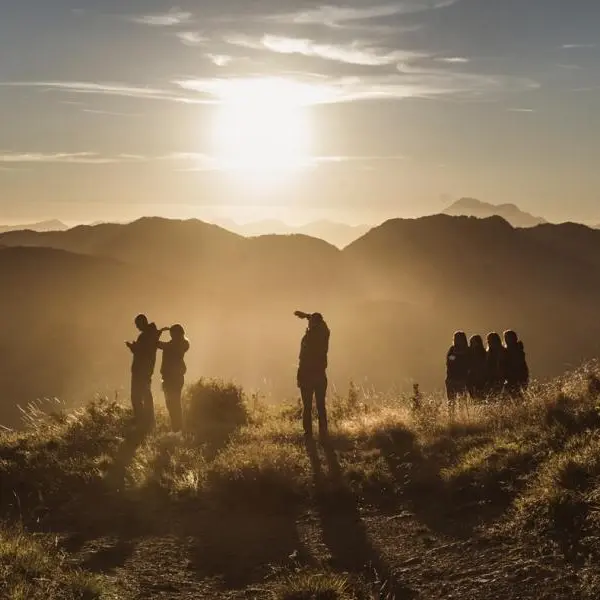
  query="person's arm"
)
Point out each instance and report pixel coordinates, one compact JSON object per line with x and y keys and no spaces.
{"x":161,"y":345}
{"x":302,"y":315}
{"x":131,"y":346}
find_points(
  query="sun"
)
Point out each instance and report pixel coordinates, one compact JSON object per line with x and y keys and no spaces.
{"x":262,"y":128}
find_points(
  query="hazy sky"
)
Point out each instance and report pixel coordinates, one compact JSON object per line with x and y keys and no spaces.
{"x":357,"y":110}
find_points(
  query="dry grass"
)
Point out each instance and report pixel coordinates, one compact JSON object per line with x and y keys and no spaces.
{"x":529,"y":468}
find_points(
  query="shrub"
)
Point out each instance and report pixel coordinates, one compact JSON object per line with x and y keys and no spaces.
{"x":214,"y":410}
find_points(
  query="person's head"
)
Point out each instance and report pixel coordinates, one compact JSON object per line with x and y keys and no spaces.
{"x":460,"y":339}
{"x":315,"y":320}
{"x":177,"y":332}
{"x":476,"y":343}
{"x":141,"y":322}
{"x":493,"y":340}
{"x":510,"y":338}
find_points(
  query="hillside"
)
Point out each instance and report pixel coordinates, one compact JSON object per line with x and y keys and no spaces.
{"x":337,"y":234}
{"x":400,"y":503}
{"x":470,"y":207}
{"x":392,"y":300}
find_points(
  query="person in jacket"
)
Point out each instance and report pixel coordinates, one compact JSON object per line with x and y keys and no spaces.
{"x":495,"y":365}
{"x":457,"y":369}
{"x":142,"y":368}
{"x":173,"y":370}
{"x":477,"y":368}
{"x":516,"y":368}
{"x":312,"y":371}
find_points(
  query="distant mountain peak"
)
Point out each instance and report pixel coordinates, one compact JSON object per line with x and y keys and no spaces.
{"x":471,"y":207}
{"x":50,"y":225}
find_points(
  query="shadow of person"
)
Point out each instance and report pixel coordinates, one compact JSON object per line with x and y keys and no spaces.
{"x":345,"y":533}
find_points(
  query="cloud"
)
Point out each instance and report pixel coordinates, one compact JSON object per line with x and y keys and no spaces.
{"x":344,"y":16}
{"x":521,"y":110}
{"x":356,"y":53}
{"x":220,"y":60}
{"x":577,"y":46}
{"x":106,"y":89}
{"x":408,"y":82}
{"x":455,"y":60}
{"x":192,"y":38}
{"x":81,"y":158}
{"x":168,"y":19}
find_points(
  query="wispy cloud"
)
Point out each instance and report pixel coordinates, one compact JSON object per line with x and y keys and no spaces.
{"x":408,"y":82}
{"x":192,"y":38}
{"x":578,"y":46}
{"x":521,"y":110}
{"x":343,"y":16}
{"x":106,"y":89}
{"x":169,"y":19}
{"x":356,"y":53}
{"x":107,"y":113}
{"x":454,"y":60}
{"x":82,"y":158}
{"x":220,"y":60}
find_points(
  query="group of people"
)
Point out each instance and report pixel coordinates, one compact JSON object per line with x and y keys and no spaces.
{"x":483,"y":372}
{"x":311,"y":376}
{"x":172,"y":370}
{"x":471,"y":369}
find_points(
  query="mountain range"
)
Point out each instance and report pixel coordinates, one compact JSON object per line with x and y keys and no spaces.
{"x":392,"y":298}
{"x":471,"y":207}
{"x":51,"y":225}
{"x":338,"y":234}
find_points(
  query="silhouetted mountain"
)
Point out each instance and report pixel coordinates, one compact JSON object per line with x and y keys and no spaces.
{"x":52,"y":225}
{"x":392,"y":299}
{"x":338,"y":234}
{"x":470,"y":207}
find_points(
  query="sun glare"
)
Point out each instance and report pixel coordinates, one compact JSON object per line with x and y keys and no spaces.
{"x":262,"y":128}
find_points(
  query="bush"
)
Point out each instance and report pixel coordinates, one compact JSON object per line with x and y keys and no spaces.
{"x":214,"y":410}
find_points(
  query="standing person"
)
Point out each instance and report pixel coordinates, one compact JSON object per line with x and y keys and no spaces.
{"x":495,"y":364}
{"x":477,"y":368}
{"x":457,"y":369}
{"x":312,"y":371}
{"x":173,"y":369}
{"x":517,"y":370}
{"x":142,"y":369}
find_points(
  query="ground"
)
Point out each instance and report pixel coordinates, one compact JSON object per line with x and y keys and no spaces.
{"x":401,"y":503}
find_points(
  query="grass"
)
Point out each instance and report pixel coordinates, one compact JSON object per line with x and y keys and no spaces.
{"x":32,"y":570}
{"x":527,"y":470}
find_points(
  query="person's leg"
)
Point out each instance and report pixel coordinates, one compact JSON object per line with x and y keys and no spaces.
{"x":320,"y":395}
{"x":172,"y":391}
{"x":306,"y":391}
{"x":137,"y":399}
{"x":149,"y":405}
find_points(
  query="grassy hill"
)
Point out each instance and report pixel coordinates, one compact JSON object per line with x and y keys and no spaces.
{"x":402,"y":503}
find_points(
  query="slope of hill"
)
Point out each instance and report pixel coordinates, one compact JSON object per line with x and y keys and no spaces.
{"x":500,"y":502}
{"x":470,"y":207}
{"x":53,"y":225}
{"x":338,"y":234}
{"x":392,"y":299}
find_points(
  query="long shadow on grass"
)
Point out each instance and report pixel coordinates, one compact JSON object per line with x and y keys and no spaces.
{"x":452,"y":507}
{"x":344,"y":531}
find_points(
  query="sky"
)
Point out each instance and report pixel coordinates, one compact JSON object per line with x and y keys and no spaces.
{"x":356,"y":110}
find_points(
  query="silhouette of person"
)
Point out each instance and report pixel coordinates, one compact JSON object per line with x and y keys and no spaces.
{"x":312,"y":371}
{"x":142,"y":369}
{"x":477,"y":368}
{"x":495,"y":364}
{"x":516,"y":368}
{"x":173,"y":371}
{"x":457,"y":369}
